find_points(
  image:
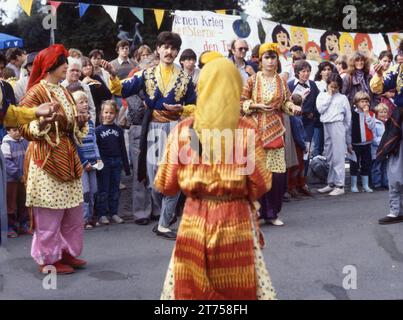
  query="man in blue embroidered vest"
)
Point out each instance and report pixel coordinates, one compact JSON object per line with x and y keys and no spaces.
{"x":169,"y":94}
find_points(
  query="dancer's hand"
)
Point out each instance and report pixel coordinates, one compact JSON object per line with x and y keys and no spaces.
{"x":47,"y":109}
{"x":108,"y":67}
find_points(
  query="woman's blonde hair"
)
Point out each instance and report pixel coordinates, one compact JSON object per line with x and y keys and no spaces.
{"x":380,"y":107}
{"x":355,"y":57}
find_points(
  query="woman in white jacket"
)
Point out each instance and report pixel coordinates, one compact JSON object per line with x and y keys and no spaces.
{"x":335,"y":114}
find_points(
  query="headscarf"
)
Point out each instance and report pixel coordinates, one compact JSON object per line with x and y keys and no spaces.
{"x":44,"y":61}
{"x":268,"y":46}
{"x":218,"y":100}
{"x":210,"y":56}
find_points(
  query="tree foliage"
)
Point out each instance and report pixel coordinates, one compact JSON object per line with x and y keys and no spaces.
{"x":96,"y":29}
{"x":372,"y":15}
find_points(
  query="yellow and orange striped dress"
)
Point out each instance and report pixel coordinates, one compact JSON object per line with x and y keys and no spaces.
{"x":217,"y":252}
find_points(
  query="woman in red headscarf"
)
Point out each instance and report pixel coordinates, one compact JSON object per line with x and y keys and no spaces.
{"x":53,"y":168}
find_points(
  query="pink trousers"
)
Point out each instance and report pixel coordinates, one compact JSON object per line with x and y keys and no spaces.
{"x":57,"y":230}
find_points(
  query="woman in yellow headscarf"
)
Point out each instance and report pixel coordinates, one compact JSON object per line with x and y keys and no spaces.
{"x":265,"y":98}
{"x":217,"y":253}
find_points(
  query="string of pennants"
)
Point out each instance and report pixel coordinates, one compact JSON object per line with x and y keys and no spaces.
{"x":111,"y":10}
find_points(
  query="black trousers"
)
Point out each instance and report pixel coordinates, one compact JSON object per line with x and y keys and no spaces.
{"x":363,"y":164}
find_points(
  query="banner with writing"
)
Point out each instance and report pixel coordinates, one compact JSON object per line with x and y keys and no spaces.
{"x":205,"y":30}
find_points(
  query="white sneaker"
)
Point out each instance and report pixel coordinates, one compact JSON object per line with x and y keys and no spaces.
{"x":276,"y":222}
{"x":104,"y":220}
{"x":117,"y":219}
{"x":337,"y":192}
{"x":325,"y":189}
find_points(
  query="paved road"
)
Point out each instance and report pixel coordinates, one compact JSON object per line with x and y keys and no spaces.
{"x":305,"y":258}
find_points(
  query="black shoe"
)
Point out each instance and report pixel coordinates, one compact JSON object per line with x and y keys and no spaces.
{"x":378,"y":188}
{"x":155,"y":228}
{"x":390,"y":220}
{"x":170,"y":235}
{"x":142,"y":221}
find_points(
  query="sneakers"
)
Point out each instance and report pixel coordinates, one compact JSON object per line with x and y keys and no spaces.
{"x":117,"y":219}
{"x":104,"y":220}
{"x":390,"y":220}
{"x":11,"y":233}
{"x":275,"y":222}
{"x":88,"y":226}
{"x":337,"y":192}
{"x":326,"y":189}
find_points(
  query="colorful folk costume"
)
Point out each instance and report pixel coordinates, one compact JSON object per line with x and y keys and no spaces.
{"x":271,"y":128}
{"x":391,"y":145}
{"x":53,"y":169}
{"x":217,"y":254}
{"x":161,"y":84}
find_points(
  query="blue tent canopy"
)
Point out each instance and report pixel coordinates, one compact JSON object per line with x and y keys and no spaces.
{"x":8,"y":41}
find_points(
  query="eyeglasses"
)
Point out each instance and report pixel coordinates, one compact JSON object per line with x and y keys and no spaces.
{"x":243,"y":49}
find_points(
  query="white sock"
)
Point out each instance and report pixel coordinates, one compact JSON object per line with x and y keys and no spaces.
{"x":392,"y":215}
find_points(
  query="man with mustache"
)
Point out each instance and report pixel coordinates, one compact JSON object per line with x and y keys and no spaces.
{"x":168,"y":92}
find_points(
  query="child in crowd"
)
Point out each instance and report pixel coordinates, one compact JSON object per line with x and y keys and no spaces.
{"x":360,"y":140}
{"x":335,"y":114}
{"x":14,"y":147}
{"x":296,"y":177}
{"x":89,"y":156}
{"x":378,"y":172}
{"x":111,"y":144}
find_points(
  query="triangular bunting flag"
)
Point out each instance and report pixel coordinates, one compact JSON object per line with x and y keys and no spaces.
{"x":159,"y":15}
{"x":26,"y":5}
{"x":112,"y":11}
{"x":83,"y":7}
{"x":55,"y":4}
{"x":221,"y":11}
{"x":139,"y":13}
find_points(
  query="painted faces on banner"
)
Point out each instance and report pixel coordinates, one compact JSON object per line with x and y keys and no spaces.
{"x":312,"y":51}
{"x":346,"y":43}
{"x":363,"y":44}
{"x":299,"y":36}
{"x":281,"y":36}
{"x":329,"y":43}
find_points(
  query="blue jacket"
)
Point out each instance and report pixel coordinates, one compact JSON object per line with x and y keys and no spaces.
{"x":14,"y":155}
{"x":309,"y":105}
{"x":298,"y":132}
{"x":88,"y":151}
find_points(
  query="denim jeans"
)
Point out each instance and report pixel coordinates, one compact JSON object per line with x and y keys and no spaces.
{"x":89,"y":181}
{"x":108,"y":187}
{"x":318,"y":141}
{"x":379,"y":175}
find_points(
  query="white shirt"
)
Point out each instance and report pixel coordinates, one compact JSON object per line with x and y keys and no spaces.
{"x":334,"y":108}
{"x":322,"y":85}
